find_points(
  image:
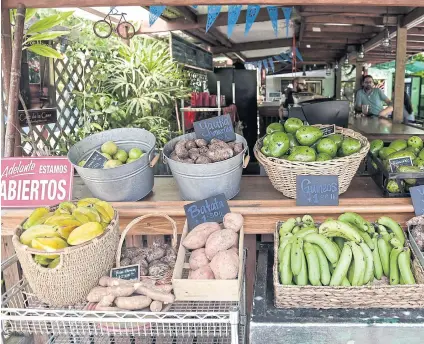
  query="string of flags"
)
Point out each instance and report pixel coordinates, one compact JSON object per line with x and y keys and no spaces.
{"x":233,"y":16}
{"x":268,"y":63}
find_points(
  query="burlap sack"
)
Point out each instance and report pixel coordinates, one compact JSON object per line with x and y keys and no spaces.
{"x":79,"y":270}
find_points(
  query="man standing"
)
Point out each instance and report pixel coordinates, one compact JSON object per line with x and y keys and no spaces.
{"x":299,"y":85}
{"x":374,"y":98}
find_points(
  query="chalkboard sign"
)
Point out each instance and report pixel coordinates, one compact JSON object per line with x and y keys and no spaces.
{"x":417,"y":195}
{"x":211,"y":209}
{"x":219,"y":127}
{"x":328,"y":130}
{"x":317,"y":190}
{"x":189,"y":54}
{"x":129,"y":273}
{"x":38,"y":116}
{"x":96,"y":160}
{"x":402,"y":161}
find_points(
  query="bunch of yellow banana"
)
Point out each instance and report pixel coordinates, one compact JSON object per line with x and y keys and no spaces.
{"x":70,"y":224}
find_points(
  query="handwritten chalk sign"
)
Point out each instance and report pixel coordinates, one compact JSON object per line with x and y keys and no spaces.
{"x":129,"y":273}
{"x":417,"y":195}
{"x":402,"y":161}
{"x":317,"y":190}
{"x":211,"y":209}
{"x":38,"y":116}
{"x":328,"y":130}
{"x":95,"y":160}
{"x":220,"y":127}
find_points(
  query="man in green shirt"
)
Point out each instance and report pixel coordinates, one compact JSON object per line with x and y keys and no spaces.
{"x":374,"y":98}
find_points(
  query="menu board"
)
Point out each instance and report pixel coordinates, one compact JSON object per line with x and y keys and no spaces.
{"x":189,"y":54}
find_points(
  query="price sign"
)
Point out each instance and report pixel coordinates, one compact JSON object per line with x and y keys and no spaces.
{"x":402,"y":161}
{"x":417,"y":195}
{"x":35,"y":181}
{"x":129,"y":273}
{"x":328,"y":130}
{"x":317,"y":190}
{"x":219,"y":127}
{"x":212,"y":209}
{"x":95,"y":160}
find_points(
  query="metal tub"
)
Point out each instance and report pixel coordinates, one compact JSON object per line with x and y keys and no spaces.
{"x":129,"y":182}
{"x":197,"y":182}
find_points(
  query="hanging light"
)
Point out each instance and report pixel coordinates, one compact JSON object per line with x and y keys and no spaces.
{"x":346,"y":61}
{"x":386,"y":40}
{"x":361,"y":52}
{"x":336,"y":66}
{"x":304,"y":71}
{"x":328,"y":70}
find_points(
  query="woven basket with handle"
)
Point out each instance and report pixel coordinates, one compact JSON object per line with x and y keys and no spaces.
{"x":282,"y":173}
{"x":79,"y":270}
{"x":168,"y":276}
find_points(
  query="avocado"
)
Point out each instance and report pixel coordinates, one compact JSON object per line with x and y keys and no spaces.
{"x":337,"y":138}
{"x":265,"y":151}
{"x":398,"y":145}
{"x":350,"y":146}
{"x":340,"y":153}
{"x":421,"y":154}
{"x":419,"y":163}
{"x":323,"y":157}
{"x":266,"y":140}
{"x":392,"y":186}
{"x":376,"y":146}
{"x":409,"y":169}
{"x":307,"y":136}
{"x":327,"y":146}
{"x":293,"y":141}
{"x":273,"y":127}
{"x":304,"y":154}
{"x":385,"y":152}
{"x":416,"y":142}
{"x":416,"y":151}
{"x":279,"y":144}
{"x":292,"y":125}
{"x":401,"y":154}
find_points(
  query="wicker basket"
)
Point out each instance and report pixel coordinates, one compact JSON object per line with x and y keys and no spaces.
{"x":282,"y":173}
{"x":326,"y":297}
{"x":79,"y":270}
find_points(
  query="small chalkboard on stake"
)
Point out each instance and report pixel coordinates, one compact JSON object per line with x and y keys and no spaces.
{"x":417,"y":196}
{"x":317,"y":191}
{"x":212,"y":209}
{"x":129,"y":273}
{"x":95,"y":160}
{"x":328,"y":130}
{"x":402,"y":161}
{"x":219,"y":127}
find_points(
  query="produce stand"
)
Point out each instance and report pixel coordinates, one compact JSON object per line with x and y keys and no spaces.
{"x":368,"y":326}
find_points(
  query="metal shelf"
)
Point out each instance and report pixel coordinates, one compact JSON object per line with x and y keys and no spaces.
{"x":200,"y":109}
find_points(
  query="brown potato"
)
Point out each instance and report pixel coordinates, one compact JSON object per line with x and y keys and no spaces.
{"x":219,"y":143}
{"x":188,"y":161}
{"x":220,"y":154}
{"x":198,"y":259}
{"x":203,"y":273}
{"x":220,"y":241}
{"x":155,"y":253}
{"x":193,"y":153}
{"x":174,"y":156}
{"x":238,"y":148}
{"x":225,"y":265}
{"x":203,"y":160}
{"x":231,"y":144}
{"x":201,"y":143}
{"x":198,"y":236}
{"x":233,"y":221}
{"x":190,"y":144}
{"x":180,"y":149}
{"x":203,"y":150}
{"x":125,"y":262}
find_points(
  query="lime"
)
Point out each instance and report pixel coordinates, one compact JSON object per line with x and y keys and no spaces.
{"x":121,"y":155}
{"x":135,"y":153}
{"x":112,"y":163}
{"x":107,"y":156}
{"x":109,"y":147}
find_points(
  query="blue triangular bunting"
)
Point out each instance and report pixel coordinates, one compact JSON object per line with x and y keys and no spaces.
{"x":213,"y":12}
{"x":287,"y":14}
{"x":195,"y":6}
{"x":273,"y":15}
{"x":252,"y":13}
{"x":298,"y":55}
{"x":265,"y":62}
{"x":259,"y":65}
{"x":278,"y":58}
{"x":233,"y":15}
{"x":155,"y":13}
{"x":271,"y":64}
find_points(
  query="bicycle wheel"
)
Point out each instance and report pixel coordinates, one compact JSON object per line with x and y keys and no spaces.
{"x":125,"y":30}
{"x":102,"y":28}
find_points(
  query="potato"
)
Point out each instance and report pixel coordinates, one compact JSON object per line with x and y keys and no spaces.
{"x":238,"y":148}
{"x":201,"y":143}
{"x":194,"y":153}
{"x":202,"y":273}
{"x":188,"y":161}
{"x":203,"y":150}
{"x":219,"y":154}
{"x":158,"y":269}
{"x":180,"y":149}
{"x":219,"y":143}
{"x":220,"y":241}
{"x":225,"y":264}
{"x":131,"y":252}
{"x":198,"y":236}
{"x":233,"y":221}
{"x":125,"y":262}
{"x":140,"y":260}
{"x":155,"y":253}
{"x":133,"y":302}
{"x":198,"y":259}
{"x":190,"y":144}
{"x":203,"y":160}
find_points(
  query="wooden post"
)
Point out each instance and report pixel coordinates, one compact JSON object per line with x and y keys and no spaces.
{"x":338,"y":81}
{"x":15,"y":75}
{"x":401,"y":40}
{"x":358,"y":78}
{"x":6,"y":61}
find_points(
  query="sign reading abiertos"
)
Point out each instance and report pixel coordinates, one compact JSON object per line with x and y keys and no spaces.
{"x":35,"y":181}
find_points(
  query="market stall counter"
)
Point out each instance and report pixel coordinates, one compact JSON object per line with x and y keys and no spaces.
{"x":366,"y":326}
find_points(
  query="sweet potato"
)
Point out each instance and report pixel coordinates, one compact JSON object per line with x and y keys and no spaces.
{"x":225,"y":265}
{"x":156,"y":295}
{"x":201,"y":143}
{"x":233,"y":221}
{"x":190,"y":144}
{"x":156,"y":306}
{"x":198,"y":259}
{"x":107,"y":281}
{"x":106,"y":301}
{"x":220,"y":241}
{"x":133,"y":302}
{"x":198,"y":236}
{"x":203,"y":160}
{"x":97,"y":293}
{"x":203,"y":273}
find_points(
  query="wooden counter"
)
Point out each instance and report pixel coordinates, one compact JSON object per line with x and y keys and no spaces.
{"x":378,"y":128}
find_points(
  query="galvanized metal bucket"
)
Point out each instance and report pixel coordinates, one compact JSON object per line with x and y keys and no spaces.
{"x":128,"y":182}
{"x":197,"y":182}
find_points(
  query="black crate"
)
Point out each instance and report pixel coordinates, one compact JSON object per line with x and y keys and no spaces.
{"x":381,"y":177}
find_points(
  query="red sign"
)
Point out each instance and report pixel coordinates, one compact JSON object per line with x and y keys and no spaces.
{"x":35,"y":181}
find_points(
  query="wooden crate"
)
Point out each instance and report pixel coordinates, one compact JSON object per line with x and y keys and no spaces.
{"x":204,"y":290}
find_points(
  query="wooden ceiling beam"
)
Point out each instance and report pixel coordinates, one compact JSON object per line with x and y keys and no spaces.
{"x":330,"y":40}
{"x":257,"y":45}
{"x":353,"y":20}
{"x":367,"y":10}
{"x":342,"y":35}
{"x":415,"y":39}
{"x":343,"y":29}
{"x":416,"y":31}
